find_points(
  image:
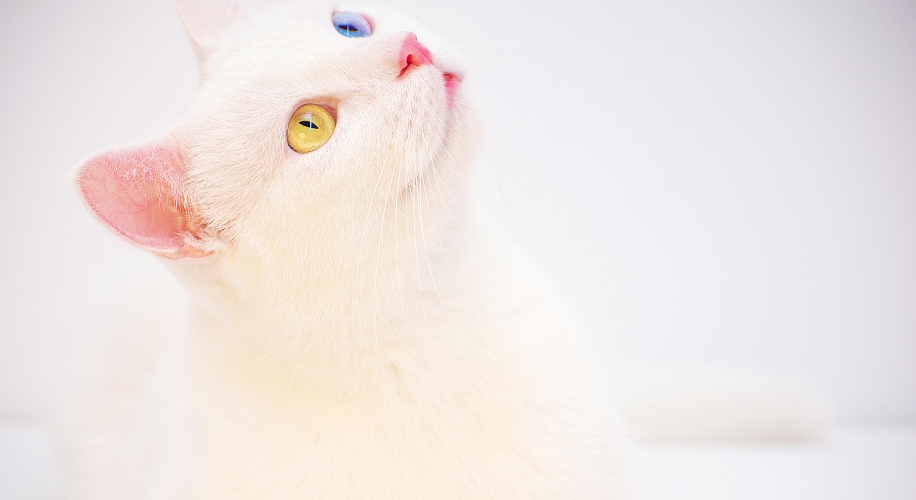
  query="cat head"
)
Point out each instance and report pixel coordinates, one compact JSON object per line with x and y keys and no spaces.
{"x":313,"y":126}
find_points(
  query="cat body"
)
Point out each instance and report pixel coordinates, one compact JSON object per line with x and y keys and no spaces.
{"x":351,"y":330}
{"x":479,"y":398}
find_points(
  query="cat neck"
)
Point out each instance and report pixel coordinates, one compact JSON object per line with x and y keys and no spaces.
{"x":343,"y":298}
{"x":297,"y":334}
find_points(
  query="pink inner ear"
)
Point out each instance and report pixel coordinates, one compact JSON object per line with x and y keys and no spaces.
{"x":137,"y":193}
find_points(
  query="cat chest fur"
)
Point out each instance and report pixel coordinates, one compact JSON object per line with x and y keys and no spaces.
{"x":421,"y":417}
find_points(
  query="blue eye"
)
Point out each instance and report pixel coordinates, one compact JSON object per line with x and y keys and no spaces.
{"x":351,"y":24}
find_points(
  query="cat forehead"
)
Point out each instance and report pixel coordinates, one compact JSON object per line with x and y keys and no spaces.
{"x":308,"y":29}
{"x":301,"y":46}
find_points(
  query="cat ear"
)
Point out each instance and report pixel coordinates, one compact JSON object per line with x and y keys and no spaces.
{"x":206,"y":21}
{"x":137,"y":193}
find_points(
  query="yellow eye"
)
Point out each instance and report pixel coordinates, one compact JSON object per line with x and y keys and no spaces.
{"x":309,"y":128}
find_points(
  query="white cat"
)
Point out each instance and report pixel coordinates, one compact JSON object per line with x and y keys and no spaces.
{"x":352,"y":331}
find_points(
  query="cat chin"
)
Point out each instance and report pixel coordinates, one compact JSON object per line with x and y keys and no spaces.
{"x":448,"y":156}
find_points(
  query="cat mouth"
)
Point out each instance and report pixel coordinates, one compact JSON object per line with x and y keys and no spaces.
{"x":451,"y":86}
{"x":413,"y":55}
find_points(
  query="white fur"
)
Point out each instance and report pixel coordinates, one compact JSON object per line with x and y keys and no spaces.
{"x":358,"y":333}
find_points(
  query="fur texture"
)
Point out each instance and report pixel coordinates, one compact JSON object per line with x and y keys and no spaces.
{"x":353,"y":332}
{"x":350,"y":329}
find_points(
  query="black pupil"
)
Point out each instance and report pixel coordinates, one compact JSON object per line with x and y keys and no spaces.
{"x":309,"y":124}
{"x":349,"y":28}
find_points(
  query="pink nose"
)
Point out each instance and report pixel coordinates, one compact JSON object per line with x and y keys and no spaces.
{"x":413,"y":54}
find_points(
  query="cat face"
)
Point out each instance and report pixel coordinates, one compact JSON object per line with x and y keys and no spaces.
{"x":402,"y":136}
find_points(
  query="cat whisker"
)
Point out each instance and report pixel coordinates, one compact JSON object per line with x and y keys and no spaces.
{"x":438,"y":184}
{"x":378,"y":254}
{"x":364,"y":254}
{"x":446,"y":226}
{"x":416,"y":258}
{"x":421,"y":191}
{"x":468,"y":15}
{"x":362,"y":237}
{"x":397,"y":255}
{"x":173,"y":68}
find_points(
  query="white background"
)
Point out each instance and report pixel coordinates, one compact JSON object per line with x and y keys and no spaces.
{"x":725,"y":183}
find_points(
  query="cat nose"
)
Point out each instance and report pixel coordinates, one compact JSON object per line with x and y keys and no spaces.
{"x":413,"y":53}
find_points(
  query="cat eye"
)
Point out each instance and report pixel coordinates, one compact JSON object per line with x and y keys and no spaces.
{"x":309,"y":128}
{"x":351,"y":24}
